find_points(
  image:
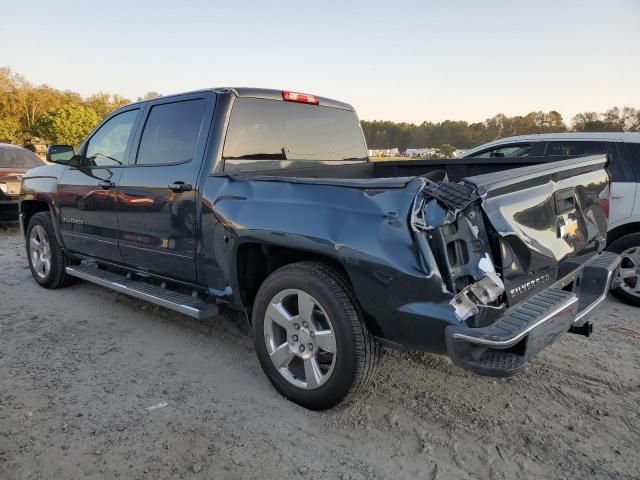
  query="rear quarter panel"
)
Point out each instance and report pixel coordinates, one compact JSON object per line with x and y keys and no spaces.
{"x":366,"y":230}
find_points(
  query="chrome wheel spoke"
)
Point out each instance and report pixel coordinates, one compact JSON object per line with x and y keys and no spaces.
{"x":34,"y":243}
{"x":326,"y":340}
{"x":278,"y":314}
{"x":313,"y":375}
{"x":40,"y":251}
{"x":306,"y":304}
{"x":282,"y":356}
{"x":627,"y":273}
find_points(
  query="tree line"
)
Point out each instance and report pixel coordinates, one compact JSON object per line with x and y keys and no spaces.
{"x":55,"y":116}
{"x":64,"y":116}
{"x":461,"y":134}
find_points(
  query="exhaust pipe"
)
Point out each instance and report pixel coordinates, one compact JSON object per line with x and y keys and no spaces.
{"x":585,"y":329}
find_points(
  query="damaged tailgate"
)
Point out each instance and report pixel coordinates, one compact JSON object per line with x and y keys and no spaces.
{"x":519,"y":253}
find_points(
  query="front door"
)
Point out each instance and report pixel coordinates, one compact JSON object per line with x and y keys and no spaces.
{"x":86,"y":190}
{"x":157,"y":193}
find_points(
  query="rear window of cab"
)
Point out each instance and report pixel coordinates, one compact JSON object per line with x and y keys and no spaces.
{"x":18,"y":158}
{"x":263,"y":133}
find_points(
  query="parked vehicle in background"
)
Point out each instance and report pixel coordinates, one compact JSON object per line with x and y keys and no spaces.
{"x":265,"y":201}
{"x":623,"y":149}
{"x":14,"y":163}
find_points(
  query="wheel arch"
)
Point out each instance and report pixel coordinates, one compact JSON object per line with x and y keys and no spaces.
{"x":28,"y":208}
{"x":255,"y":261}
{"x":621,"y":231}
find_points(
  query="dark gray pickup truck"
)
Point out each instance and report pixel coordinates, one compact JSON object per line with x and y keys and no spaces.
{"x":265,"y":202}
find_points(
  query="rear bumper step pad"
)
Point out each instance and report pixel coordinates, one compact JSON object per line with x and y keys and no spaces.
{"x":504,"y":347}
{"x":179,"y":302}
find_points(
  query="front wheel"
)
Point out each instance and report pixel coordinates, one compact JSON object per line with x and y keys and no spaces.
{"x":310,"y":336}
{"x":47,"y":260}
{"x":627,"y":278}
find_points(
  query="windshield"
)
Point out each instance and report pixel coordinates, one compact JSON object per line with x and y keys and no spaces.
{"x":261,"y":130}
{"x":18,"y":158}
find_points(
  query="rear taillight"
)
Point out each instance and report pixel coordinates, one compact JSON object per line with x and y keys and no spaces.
{"x":300,"y":98}
{"x":605,"y":207}
{"x":5,"y":174}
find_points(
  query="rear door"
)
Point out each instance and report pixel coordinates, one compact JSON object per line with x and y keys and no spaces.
{"x":86,"y":190}
{"x":623,"y":182}
{"x":158,"y":191}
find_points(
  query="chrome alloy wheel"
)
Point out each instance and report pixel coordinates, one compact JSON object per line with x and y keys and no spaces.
{"x":40,"y":251}
{"x":628,"y":274}
{"x":300,"y":339}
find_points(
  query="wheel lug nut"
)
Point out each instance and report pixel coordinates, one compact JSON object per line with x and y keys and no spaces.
{"x":295,"y":338}
{"x":313,"y":334}
{"x":301,"y":348}
{"x":304,"y":324}
{"x":296,"y":326}
{"x":310,"y":346}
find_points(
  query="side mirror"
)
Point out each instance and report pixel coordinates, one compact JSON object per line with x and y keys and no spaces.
{"x":59,"y":153}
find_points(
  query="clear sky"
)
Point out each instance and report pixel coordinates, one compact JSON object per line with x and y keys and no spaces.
{"x":393,"y":60}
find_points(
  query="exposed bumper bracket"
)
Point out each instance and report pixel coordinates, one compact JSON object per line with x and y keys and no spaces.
{"x":504,"y":347}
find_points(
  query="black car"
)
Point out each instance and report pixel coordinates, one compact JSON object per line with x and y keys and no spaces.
{"x":265,"y":202}
{"x":14,"y":163}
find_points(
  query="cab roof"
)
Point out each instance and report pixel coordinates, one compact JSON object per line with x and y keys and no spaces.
{"x":261,"y":93}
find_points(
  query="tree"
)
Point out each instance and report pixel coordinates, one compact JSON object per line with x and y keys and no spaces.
{"x":445,"y":151}
{"x":10,"y":130}
{"x":105,"y":103}
{"x":69,"y":124}
{"x":149,"y":96}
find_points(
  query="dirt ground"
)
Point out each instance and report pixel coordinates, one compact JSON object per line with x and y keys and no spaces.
{"x":79,"y":367}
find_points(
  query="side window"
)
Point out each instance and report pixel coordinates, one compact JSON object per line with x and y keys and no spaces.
{"x":108,"y":144}
{"x":575,"y":147}
{"x":633,"y":150}
{"x":520,"y":150}
{"x":171,"y":132}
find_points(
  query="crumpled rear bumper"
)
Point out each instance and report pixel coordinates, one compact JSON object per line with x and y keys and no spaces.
{"x":504,"y":347}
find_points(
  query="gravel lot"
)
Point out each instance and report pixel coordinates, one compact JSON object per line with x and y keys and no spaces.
{"x":79,"y":367}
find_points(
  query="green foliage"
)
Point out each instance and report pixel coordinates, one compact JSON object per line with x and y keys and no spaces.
{"x":41,"y":110}
{"x":22,"y":105}
{"x":105,"y":103}
{"x":614,"y":120}
{"x":149,"y":96}
{"x":69,"y":124}
{"x":10,"y":131}
{"x":459,"y":133}
{"x":445,"y":151}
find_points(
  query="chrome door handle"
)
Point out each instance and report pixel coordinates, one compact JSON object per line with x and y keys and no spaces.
{"x":180,"y":187}
{"x":106,"y":184}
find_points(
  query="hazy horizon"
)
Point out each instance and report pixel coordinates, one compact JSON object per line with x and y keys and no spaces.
{"x":412,"y":62}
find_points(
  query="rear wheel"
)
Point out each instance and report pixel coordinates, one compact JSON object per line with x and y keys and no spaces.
{"x":627,"y":278}
{"x":310,"y":336}
{"x":47,"y":260}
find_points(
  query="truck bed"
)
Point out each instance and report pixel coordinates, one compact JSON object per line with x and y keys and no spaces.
{"x":397,"y":173}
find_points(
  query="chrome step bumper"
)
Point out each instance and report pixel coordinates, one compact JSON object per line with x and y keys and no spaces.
{"x":179,"y":302}
{"x":504,"y":347}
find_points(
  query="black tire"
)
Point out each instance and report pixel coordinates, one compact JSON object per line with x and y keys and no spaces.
{"x":357,"y":351}
{"x":620,"y":245}
{"x":57,"y":276}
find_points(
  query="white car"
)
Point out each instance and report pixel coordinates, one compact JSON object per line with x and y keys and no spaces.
{"x":623,"y":149}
